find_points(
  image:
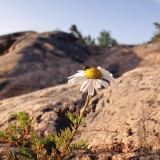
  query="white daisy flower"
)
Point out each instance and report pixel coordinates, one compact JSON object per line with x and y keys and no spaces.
{"x":92,"y":78}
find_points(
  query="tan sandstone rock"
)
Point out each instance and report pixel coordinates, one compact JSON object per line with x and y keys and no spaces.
{"x":31,"y":61}
{"x":128,"y":115}
{"x":47,"y":107}
{"x":122,"y":118}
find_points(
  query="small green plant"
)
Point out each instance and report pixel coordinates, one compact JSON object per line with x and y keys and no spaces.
{"x":156,"y":38}
{"x":105,"y":40}
{"x":30,"y":146}
{"x":89,"y":41}
{"x":17,"y":134}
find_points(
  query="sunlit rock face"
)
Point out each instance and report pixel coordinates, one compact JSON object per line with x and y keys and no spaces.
{"x":34,"y":68}
{"x":127,"y":114}
{"x":122,"y":118}
{"x":30,"y":61}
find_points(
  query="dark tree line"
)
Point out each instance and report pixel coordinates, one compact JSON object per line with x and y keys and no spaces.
{"x":156,"y":37}
{"x":103,"y":40}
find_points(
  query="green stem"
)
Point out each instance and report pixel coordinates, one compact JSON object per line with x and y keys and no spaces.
{"x":75,"y":129}
{"x":69,"y":141}
{"x":86,"y":105}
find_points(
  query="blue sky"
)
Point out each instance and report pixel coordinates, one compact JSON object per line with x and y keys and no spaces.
{"x":128,"y":21}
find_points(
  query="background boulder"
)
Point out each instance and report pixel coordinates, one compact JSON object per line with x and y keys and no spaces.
{"x":122,"y":118}
{"x":31,"y":61}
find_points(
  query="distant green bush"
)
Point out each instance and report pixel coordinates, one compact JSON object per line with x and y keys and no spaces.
{"x":156,"y":38}
{"x":89,"y":41}
{"x":105,"y":40}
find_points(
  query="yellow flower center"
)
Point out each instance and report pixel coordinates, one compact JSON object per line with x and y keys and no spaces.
{"x":93,"y":73}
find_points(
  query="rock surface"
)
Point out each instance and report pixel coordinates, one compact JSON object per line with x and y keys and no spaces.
{"x":122,"y":118}
{"x":47,"y":107}
{"x":31,"y":61}
{"x":128,"y":115}
{"x":36,"y":61}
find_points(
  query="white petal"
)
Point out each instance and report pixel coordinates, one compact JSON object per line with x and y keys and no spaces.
{"x":71,"y":80}
{"x":77,"y":80}
{"x":80,"y":74}
{"x":85,"y":85}
{"x":104,"y":71}
{"x":82,"y":86}
{"x":98,"y":67}
{"x":80,"y":71}
{"x":101,"y":69}
{"x":96,"y":84}
{"x":91,"y":88}
{"x":108,"y":77}
{"x":104,"y":83}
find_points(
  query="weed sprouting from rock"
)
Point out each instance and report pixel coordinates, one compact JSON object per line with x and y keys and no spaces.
{"x":29,"y":146}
